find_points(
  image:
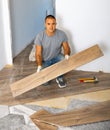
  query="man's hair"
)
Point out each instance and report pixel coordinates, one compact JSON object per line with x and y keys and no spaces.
{"x":50,"y":16}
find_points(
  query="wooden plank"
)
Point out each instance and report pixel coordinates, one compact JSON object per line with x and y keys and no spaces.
{"x":90,"y":114}
{"x":42,"y":125}
{"x":39,"y":113}
{"x":55,"y":70}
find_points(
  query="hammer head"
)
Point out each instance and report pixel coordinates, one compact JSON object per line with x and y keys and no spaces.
{"x":95,"y":79}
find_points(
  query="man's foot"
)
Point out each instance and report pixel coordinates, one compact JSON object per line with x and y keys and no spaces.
{"x":61,"y":83}
{"x":47,"y":83}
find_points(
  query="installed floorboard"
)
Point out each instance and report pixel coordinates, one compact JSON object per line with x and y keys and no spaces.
{"x":55,"y":70}
{"x":74,"y":87}
{"x":23,"y":67}
{"x":85,"y":115}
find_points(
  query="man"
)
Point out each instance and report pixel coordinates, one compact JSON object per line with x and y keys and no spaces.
{"x":49,"y":44}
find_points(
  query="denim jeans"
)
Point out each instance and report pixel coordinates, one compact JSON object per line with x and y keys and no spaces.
{"x":53,"y":61}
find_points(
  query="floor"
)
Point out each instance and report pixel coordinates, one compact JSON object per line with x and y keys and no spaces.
{"x":22,"y":67}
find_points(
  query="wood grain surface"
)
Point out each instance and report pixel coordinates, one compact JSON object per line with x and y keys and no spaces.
{"x":52,"y":91}
{"x":22,"y":68}
{"x":49,"y":73}
{"x":42,"y":125}
{"x":90,"y":114}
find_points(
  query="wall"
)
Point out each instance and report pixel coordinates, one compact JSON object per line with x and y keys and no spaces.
{"x":87,"y":22}
{"x":27,"y":19}
{"x":5,"y":35}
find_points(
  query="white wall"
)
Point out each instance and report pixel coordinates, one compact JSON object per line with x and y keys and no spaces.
{"x":87,"y":22}
{"x":27,"y":19}
{"x":5,"y":35}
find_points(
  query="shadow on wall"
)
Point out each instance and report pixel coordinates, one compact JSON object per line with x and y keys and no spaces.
{"x":104,"y":47}
{"x":68,"y":32}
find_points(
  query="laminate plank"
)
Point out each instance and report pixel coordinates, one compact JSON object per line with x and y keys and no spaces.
{"x":42,"y":125}
{"x":85,"y":115}
{"x":36,"y":79}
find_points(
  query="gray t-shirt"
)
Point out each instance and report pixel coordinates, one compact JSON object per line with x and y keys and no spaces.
{"x":51,"y":44}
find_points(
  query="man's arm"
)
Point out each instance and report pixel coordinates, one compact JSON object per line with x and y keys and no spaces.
{"x":66,"y":48}
{"x":39,"y":57}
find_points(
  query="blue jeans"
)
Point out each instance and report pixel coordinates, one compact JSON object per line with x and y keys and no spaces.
{"x":53,"y":61}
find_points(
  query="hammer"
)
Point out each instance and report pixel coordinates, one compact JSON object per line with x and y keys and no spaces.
{"x":89,"y":80}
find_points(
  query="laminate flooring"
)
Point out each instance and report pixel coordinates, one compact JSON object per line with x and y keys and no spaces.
{"x":22,"y":67}
{"x":90,"y":114}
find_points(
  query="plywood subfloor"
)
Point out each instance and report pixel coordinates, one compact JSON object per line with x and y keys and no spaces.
{"x":22,"y":68}
{"x":63,"y":102}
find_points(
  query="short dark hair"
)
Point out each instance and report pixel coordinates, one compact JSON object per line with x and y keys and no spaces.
{"x":50,"y":16}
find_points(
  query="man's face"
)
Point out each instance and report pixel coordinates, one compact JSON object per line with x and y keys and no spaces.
{"x":50,"y":25}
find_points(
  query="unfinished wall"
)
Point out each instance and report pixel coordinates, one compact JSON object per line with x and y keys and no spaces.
{"x":86,"y":22}
{"x":27,"y":19}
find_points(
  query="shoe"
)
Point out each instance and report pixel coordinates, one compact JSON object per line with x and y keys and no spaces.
{"x":61,"y":83}
{"x":46,"y":84}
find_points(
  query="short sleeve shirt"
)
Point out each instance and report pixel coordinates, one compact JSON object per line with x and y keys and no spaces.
{"x":51,"y":45}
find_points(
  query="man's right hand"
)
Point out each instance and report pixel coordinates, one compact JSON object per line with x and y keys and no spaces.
{"x":67,"y":57}
{"x":39,"y":68}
